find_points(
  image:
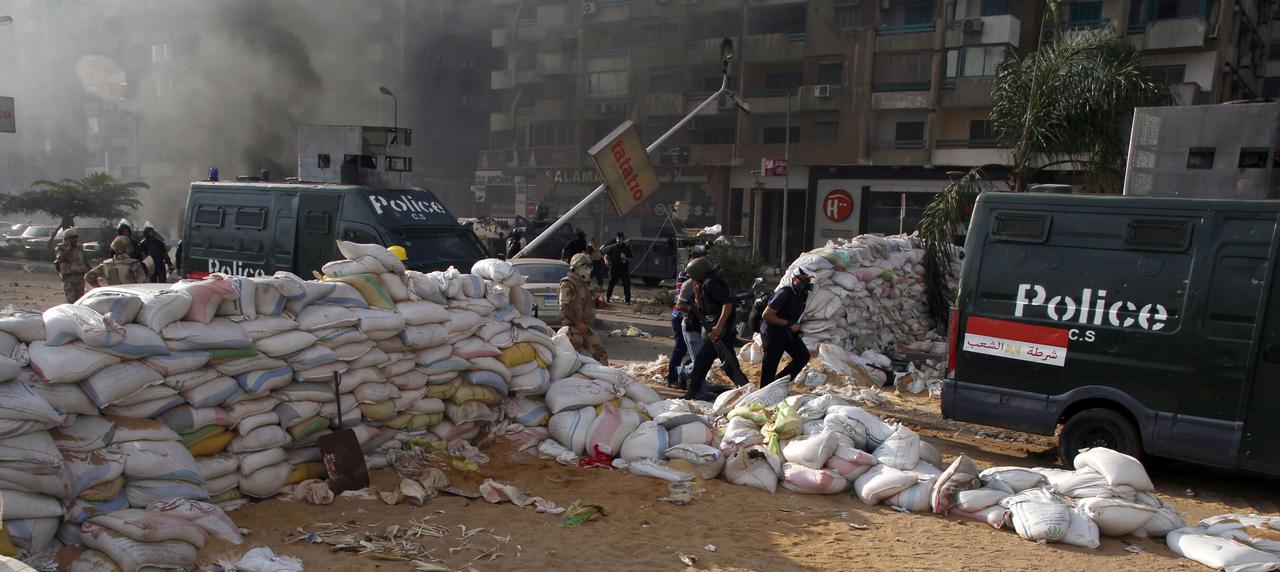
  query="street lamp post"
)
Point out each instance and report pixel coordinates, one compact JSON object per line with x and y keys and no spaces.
{"x":395,"y":118}
{"x":786,"y":178}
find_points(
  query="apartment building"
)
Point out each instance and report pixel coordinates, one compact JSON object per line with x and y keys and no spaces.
{"x":875,"y":101}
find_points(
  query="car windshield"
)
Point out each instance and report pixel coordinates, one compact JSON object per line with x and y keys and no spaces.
{"x":429,"y":244}
{"x":38,"y":232}
{"x":543,"y":273}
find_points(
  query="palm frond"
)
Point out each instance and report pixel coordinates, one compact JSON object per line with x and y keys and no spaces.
{"x":943,"y":220}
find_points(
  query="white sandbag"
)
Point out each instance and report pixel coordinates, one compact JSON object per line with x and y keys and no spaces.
{"x":19,"y":505}
{"x":1116,"y":517}
{"x":66,"y":398}
{"x":740,"y":433}
{"x":267,"y":326}
{"x":313,"y":356}
{"x":535,"y":382}
{"x":652,"y":468}
{"x":68,"y":363}
{"x":1011,"y":479}
{"x":1085,"y":483}
{"x":754,"y":467}
{"x":58,"y":486}
{"x":264,"y":482}
{"x":396,"y":285}
{"x":1037,"y":514}
{"x":707,"y":461}
{"x":121,"y":306}
{"x":148,"y":526}
{"x":1164,"y":521}
{"x":66,"y":323}
{"x":9,"y":369}
{"x":865,"y":429}
{"x":18,"y":403}
{"x":256,"y":361}
{"x":571,"y":428}
{"x":264,"y":380}
{"x":422,"y":312}
{"x":239,"y":410}
{"x":696,"y":433}
{"x":974,"y":500}
{"x":159,"y":309}
{"x":131,"y":554}
{"x":212,"y":393}
{"x":377,"y":320}
{"x":34,"y":452}
{"x":575,"y":392}
{"x":425,"y":336}
{"x":26,"y":325}
{"x":253,"y":462}
{"x":251,"y":422}
{"x":610,"y":429}
{"x":360,"y":265}
{"x":901,"y":450}
{"x":1118,"y":468}
{"x":322,"y":317}
{"x":208,"y":517}
{"x":648,"y":440}
{"x":566,"y":360}
{"x":113,"y":384}
{"x":141,"y":430}
{"x":802,"y":479}
{"x":175,"y":363}
{"x":354,"y":251}
{"x":881,"y":482}
{"x":159,"y":460}
{"x":219,"y":333}
{"x":1220,"y":553}
{"x":812,"y":452}
{"x":213,"y":466}
{"x":767,"y":396}
{"x":1082,"y":531}
{"x":242,"y":302}
{"x":285,"y":344}
{"x":641,"y":393}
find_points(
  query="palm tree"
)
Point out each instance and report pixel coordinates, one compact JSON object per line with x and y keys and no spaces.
{"x":1067,"y":105}
{"x":95,"y":196}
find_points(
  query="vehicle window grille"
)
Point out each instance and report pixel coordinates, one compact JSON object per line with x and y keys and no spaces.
{"x":1021,"y":227}
{"x":251,"y":218}
{"x":1158,"y":234}
{"x":316,"y":222}
{"x":208,"y":216}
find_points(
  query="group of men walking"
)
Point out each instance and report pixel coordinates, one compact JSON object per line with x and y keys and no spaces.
{"x":124,"y":267}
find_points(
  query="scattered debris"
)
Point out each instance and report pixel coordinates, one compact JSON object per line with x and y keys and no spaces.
{"x":262,"y":559}
{"x":496,"y":492}
{"x":1132,"y":548}
{"x":709,"y":548}
{"x":681,"y":493}
{"x":688,"y":559}
{"x":580,"y":512}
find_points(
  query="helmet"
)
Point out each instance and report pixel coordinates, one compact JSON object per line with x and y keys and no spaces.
{"x":69,"y":233}
{"x":699,"y":268}
{"x":698,"y":250}
{"x":399,"y":251}
{"x":579,"y":261}
{"x":121,"y":245}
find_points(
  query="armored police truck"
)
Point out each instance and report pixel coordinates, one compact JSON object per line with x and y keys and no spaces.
{"x":1149,"y":325}
{"x":258,"y":228}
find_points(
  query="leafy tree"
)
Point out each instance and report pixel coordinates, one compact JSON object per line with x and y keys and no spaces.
{"x":95,"y":196}
{"x":1066,"y":104}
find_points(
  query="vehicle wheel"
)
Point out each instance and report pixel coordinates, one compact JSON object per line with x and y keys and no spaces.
{"x":1098,"y":427}
{"x":650,"y":281}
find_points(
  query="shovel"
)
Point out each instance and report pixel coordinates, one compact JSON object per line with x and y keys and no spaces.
{"x":340,"y":451}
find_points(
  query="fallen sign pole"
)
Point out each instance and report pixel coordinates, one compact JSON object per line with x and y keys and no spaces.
{"x":726,"y":48}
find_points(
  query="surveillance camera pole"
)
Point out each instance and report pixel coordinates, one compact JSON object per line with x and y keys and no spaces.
{"x":726,"y":56}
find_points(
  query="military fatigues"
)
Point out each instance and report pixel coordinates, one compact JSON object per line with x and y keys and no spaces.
{"x":576,"y":303}
{"x":71,"y":265}
{"x":119,"y":269}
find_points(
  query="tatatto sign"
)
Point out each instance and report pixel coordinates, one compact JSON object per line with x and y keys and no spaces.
{"x":624,"y":165}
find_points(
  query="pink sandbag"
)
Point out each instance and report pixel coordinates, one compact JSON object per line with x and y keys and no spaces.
{"x":802,"y":479}
{"x":206,"y":296}
{"x":993,"y":515}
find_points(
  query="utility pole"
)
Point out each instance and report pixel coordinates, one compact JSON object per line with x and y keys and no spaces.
{"x":786,"y":179}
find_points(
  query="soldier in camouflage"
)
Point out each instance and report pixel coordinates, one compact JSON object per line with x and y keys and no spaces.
{"x":578,"y":308}
{"x":70,"y":262}
{"x":121,"y":268}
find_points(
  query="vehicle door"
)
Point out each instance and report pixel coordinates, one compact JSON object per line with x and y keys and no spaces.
{"x":1260,"y":446}
{"x":317,"y":231}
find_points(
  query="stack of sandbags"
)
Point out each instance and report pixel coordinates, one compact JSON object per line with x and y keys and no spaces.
{"x":33,"y":479}
{"x":165,"y":535}
{"x":869,"y":293}
{"x":1230,"y":542}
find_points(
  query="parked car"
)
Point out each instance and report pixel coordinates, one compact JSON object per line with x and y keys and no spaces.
{"x":542,"y":279}
{"x":11,"y":232}
{"x":33,"y":243}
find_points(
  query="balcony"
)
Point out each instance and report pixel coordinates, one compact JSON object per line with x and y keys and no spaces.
{"x":501,"y":121}
{"x":501,"y":79}
{"x":607,"y":11}
{"x":904,"y":37}
{"x":705,"y":50}
{"x":555,"y":109}
{"x":610,"y":59}
{"x":665,"y":104}
{"x":769,"y":101}
{"x":967,"y":92}
{"x":886,"y":97}
{"x":771,"y":47}
{"x":501,"y":37}
{"x":970,"y":153}
{"x":558,"y":63}
{"x":1175,"y":34}
{"x":816,"y":98}
{"x":990,"y":30}
{"x":710,"y":155}
{"x":563,"y":156}
{"x":899,"y":152}
{"x":1078,"y":27}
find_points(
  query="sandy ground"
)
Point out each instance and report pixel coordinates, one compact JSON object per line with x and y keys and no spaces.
{"x":750,"y":529}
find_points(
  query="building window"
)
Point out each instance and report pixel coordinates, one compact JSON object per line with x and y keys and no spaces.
{"x":826,"y":131}
{"x":653,"y":33}
{"x":982,"y":132}
{"x":994,"y":7}
{"x":159,"y":53}
{"x":1170,"y":75}
{"x":551,"y":134}
{"x":908,"y":134}
{"x":362,"y":161}
{"x":719,"y":136}
{"x":1143,"y":11}
{"x":612,"y":83}
{"x":322,"y":160}
{"x":905,"y":71}
{"x":664,"y":83}
{"x":1271,"y":87}
{"x":1084,"y":12}
{"x":917,"y":14}
{"x":1200,"y":157}
{"x":831,"y":73}
{"x":778,"y":135}
{"x":975,"y":61}
{"x":846,"y":17}
{"x":784,"y":81}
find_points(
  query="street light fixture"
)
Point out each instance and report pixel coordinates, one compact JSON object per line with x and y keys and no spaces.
{"x":6,"y":20}
{"x":395,"y":106}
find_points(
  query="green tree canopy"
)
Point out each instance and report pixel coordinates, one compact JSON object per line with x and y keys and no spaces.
{"x":95,"y":196}
{"x":1067,"y":104}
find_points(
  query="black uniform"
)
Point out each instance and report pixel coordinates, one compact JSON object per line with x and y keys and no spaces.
{"x":789,"y":305}
{"x":715,"y":294}
{"x":153,"y":247}
{"x":619,"y":256}
{"x":576,"y":246}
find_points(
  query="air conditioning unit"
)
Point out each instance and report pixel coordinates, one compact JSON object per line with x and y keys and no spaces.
{"x":588,"y":7}
{"x":823,"y":90}
{"x":972,"y":25}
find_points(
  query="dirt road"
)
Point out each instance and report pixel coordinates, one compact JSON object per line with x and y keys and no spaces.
{"x":749,"y":529}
